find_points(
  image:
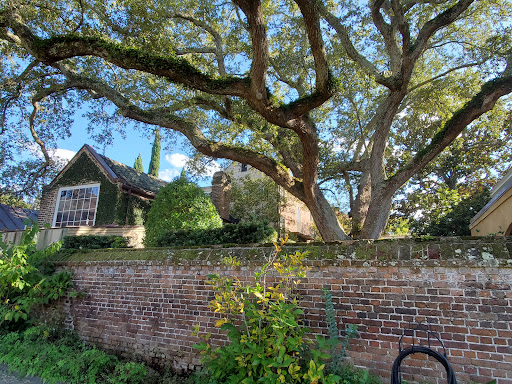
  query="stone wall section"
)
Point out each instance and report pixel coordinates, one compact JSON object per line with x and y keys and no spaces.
{"x":148,"y":308}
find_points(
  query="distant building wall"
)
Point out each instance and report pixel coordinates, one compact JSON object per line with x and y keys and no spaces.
{"x":47,"y":206}
{"x":497,"y":219}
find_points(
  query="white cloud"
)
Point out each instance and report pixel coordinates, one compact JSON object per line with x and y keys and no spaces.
{"x":55,"y":154}
{"x":168,"y":174}
{"x":212,"y":168}
{"x":177,"y":160}
{"x":64,"y":154}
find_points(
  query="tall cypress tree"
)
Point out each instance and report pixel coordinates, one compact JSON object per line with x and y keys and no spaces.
{"x":154,"y":164}
{"x":138,"y":164}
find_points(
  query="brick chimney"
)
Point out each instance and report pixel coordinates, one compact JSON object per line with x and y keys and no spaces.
{"x":221,"y":193}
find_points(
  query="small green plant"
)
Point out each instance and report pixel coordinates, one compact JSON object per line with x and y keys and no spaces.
{"x":27,"y":279}
{"x":268,"y":340}
{"x":338,"y":348}
{"x":58,"y":356}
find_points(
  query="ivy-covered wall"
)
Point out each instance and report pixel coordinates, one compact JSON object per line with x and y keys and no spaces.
{"x":114,"y":205}
{"x":135,"y":208}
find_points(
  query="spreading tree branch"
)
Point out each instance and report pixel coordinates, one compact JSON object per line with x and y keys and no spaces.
{"x":350,"y":49}
{"x":314,"y":33}
{"x":482,"y":102}
{"x":254,"y":14}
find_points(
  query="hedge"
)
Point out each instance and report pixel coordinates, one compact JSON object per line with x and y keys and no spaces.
{"x":243,"y":233}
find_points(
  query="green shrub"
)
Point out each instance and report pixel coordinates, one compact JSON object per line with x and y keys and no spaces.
{"x":180,"y":205}
{"x":27,"y":279}
{"x":59,"y":356}
{"x":243,"y":233}
{"x":95,"y":242}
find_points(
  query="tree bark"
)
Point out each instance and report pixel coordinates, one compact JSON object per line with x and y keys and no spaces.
{"x":377,"y":216}
{"x":324,"y":217}
{"x":361,"y":203}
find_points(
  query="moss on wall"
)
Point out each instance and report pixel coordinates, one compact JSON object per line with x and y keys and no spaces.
{"x":457,"y":253}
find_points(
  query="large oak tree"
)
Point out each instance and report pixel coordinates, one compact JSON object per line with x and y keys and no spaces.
{"x":305,"y":91}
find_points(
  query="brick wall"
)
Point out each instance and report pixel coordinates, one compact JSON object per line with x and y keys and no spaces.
{"x":47,"y":206}
{"x":146,"y":302}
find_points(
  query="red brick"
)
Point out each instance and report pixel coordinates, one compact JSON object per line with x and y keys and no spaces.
{"x":156,"y":306}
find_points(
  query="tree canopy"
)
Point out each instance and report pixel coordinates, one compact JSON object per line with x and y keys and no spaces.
{"x":339,"y":95}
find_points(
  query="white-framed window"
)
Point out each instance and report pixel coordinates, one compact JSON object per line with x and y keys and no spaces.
{"x":76,"y":206}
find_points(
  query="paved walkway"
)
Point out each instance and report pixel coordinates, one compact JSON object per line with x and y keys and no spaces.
{"x":10,"y":378}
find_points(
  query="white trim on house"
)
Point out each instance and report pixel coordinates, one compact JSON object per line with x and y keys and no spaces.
{"x":80,"y":210}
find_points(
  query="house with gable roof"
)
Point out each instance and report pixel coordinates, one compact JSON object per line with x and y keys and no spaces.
{"x":95,"y":191}
{"x":495,"y":218}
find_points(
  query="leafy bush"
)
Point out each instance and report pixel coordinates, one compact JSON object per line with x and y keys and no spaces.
{"x":180,"y":205}
{"x":44,"y":352}
{"x":243,"y":233}
{"x":268,"y":342}
{"x":454,"y":219}
{"x":27,"y":279}
{"x":95,"y":242}
{"x":257,"y":197}
{"x":58,"y":356}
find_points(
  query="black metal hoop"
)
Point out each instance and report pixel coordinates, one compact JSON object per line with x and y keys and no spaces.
{"x":403,"y":353}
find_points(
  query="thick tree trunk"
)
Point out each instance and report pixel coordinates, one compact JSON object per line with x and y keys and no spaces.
{"x":377,"y":216}
{"x":361,"y":203}
{"x":324,"y":217}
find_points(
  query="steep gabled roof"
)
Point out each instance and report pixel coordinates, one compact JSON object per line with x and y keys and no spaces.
{"x":138,"y":182}
{"x":12,"y":218}
{"x":497,"y":192}
{"x":132,"y":178}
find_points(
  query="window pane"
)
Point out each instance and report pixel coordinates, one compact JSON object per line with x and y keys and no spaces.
{"x":76,"y":206}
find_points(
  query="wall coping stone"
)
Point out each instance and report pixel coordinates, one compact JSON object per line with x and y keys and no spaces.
{"x":443,"y":252}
